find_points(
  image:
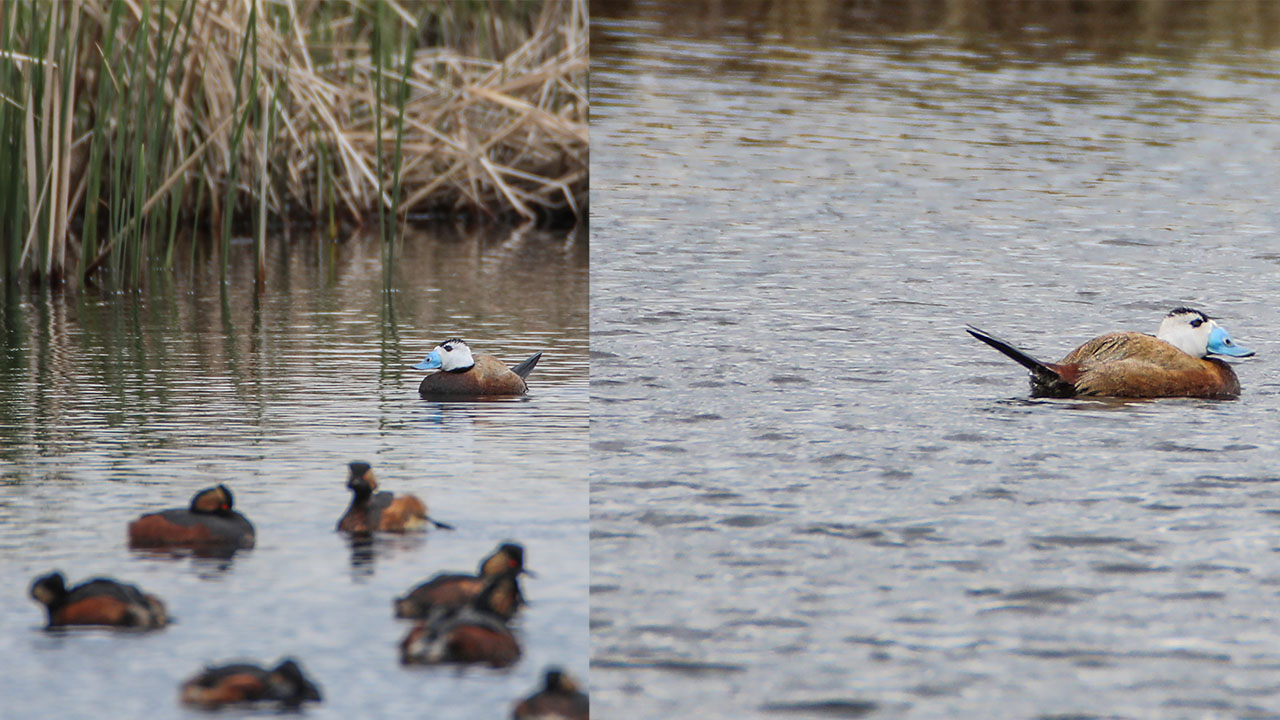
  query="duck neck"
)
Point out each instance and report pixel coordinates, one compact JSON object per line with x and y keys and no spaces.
{"x":360,"y":496}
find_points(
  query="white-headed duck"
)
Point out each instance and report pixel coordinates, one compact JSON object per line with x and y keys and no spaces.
{"x":370,"y":511}
{"x":559,"y":699}
{"x":98,"y":602}
{"x":456,"y":590}
{"x":462,"y":374}
{"x":210,"y":521}
{"x":1136,"y":365}
{"x":242,"y":683}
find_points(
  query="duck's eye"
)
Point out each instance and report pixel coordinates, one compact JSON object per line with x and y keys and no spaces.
{"x":1197,"y":322}
{"x":447,"y":348}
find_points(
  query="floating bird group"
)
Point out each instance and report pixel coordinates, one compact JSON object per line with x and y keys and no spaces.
{"x":459,"y":618}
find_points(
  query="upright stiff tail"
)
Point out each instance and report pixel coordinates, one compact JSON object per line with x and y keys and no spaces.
{"x":526,"y":367}
{"x":1045,"y":380}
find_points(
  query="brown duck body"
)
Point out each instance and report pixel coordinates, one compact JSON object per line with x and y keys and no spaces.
{"x":244,"y":683}
{"x":1136,"y":365}
{"x":476,"y":633}
{"x":1172,"y":363}
{"x":98,"y":602}
{"x":488,"y":376}
{"x":210,"y":521}
{"x":384,"y":511}
{"x":462,"y":637}
{"x":370,"y":510}
{"x":452,"y":591}
{"x":560,"y":699}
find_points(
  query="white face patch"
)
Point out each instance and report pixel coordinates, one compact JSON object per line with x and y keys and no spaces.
{"x":454,"y":355}
{"x":1187,"y":331}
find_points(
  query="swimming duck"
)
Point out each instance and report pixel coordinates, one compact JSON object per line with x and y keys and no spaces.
{"x":559,"y":699}
{"x":99,"y":601}
{"x":1136,"y":365}
{"x":456,"y":590}
{"x":371,"y":511}
{"x":208,"y":521}
{"x":462,"y":374}
{"x":473,"y":634}
{"x":243,"y":683}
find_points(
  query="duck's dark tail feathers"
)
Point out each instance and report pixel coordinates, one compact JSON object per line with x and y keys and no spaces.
{"x":1045,"y":381}
{"x":1018,"y":356}
{"x":526,"y":367}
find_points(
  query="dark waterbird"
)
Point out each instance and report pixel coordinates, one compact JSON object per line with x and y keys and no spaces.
{"x":244,"y":684}
{"x":99,"y":601}
{"x":559,"y":699}
{"x":209,"y":522}
{"x":456,"y":590}
{"x":370,"y":510}
{"x":472,"y":634}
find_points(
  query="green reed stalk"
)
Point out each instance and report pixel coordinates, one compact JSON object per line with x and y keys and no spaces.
{"x":398,"y":162}
{"x":60,"y":137}
{"x":228,"y":201}
{"x":266,"y":128}
{"x":169,"y":225}
{"x":37,"y":136}
{"x":36,"y":85}
{"x":12,"y":206}
{"x":378,"y":47}
{"x":327,"y":201}
{"x":123,"y":172}
{"x":103,"y":108}
{"x":159,"y":223}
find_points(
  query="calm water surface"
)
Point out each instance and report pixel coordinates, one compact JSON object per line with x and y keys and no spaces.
{"x":813,"y":494}
{"x":118,"y":404}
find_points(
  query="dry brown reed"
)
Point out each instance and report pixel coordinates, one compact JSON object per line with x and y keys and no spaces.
{"x":235,"y":109}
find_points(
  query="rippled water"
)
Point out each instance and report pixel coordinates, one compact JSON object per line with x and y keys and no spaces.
{"x":118,"y":404}
{"x":812,"y":493}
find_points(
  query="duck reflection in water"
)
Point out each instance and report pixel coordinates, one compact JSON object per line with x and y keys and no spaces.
{"x":1172,"y":363}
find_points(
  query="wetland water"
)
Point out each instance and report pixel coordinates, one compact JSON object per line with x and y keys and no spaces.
{"x":118,"y":404}
{"x":813,"y":495}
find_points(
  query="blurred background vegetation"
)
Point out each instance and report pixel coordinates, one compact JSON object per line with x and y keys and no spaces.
{"x":126,"y":126}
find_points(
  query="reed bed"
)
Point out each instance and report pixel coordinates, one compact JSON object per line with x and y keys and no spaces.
{"x":125,"y":124}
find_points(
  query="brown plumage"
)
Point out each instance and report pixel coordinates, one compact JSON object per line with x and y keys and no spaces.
{"x":1136,"y":365}
{"x":98,"y":602}
{"x":559,"y":699}
{"x":463,"y":639}
{"x":1130,"y":364}
{"x":489,"y":376}
{"x":473,"y":634}
{"x":209,"y":521}
{"x":456,"y":590}
{"x":370,"y":511}
{"x":244,"y":683}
